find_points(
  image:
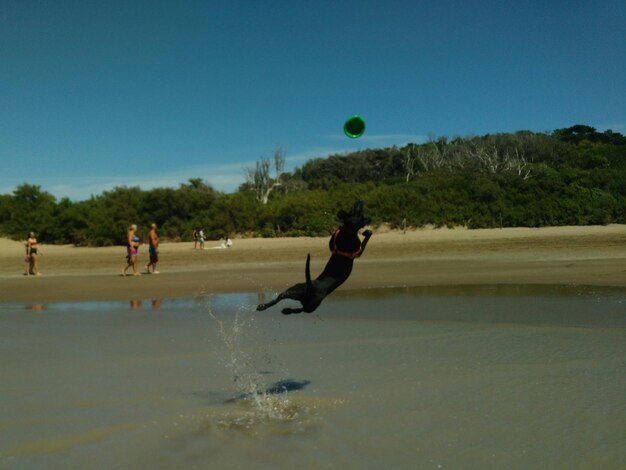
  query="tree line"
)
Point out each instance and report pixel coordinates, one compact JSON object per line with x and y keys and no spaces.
{"x":571,"y":176}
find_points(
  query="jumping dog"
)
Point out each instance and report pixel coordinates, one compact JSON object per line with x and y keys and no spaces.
{"x":345,"y":245}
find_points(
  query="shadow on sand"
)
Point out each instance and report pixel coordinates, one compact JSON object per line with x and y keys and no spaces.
{"x":277,"y":388}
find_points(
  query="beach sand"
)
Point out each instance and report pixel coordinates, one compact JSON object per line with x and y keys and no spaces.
{"x":591,"y":255}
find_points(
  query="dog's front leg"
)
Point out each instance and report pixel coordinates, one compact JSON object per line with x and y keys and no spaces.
{"x":366,"y":237}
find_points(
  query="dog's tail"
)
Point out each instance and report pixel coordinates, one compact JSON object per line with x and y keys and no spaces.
{"x":307,"y":273}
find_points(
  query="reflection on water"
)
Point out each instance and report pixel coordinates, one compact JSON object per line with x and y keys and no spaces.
{"x":234,"y":300}
{"x":136,"y":304}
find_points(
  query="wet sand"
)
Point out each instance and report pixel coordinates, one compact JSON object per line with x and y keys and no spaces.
{"x":532,"y":378}
{"x":429,"y":257}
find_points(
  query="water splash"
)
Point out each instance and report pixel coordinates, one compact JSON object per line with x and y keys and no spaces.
{"x":257,"y":402}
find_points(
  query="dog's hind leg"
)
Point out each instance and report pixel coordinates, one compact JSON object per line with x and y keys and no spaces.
{"x":267,"y":305}
{"x":271,"y":303}
{"x":304,"y":290}
{"x":294,"y":292}
{"x":289,"y":311}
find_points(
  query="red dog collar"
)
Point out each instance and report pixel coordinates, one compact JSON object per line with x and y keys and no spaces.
{"x":346,"y":254}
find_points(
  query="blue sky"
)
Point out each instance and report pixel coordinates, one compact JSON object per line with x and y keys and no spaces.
{"x":100,"y":94}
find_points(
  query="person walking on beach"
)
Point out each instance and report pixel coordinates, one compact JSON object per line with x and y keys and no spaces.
{"x":32,"y":255}
{"x":132,"y":248}
{"x":201,"y":238}
{"x":195,"y":238}
{"x":153,"y":239}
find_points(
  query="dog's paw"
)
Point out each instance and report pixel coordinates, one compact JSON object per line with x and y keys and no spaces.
{"x":367,"y":233}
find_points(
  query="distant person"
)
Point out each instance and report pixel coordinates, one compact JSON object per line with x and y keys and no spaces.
{"x":153,"y":239}
{"x":195,"y":238}
{"x":27,"y":261}
{"x":222,"y":243}
{"x":32,"y":255}
{"x":201,"y":238}
{"x":132,"y":248}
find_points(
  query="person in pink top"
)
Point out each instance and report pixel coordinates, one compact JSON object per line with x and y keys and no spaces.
{"x":132,"y":248}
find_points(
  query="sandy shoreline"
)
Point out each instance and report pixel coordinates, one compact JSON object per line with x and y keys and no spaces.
{"x":552,"y":255}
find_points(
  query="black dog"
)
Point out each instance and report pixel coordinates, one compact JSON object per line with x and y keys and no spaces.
{"x":345,"y":245}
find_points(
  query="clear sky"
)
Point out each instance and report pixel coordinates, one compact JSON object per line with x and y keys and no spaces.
{"x":97,"y":94}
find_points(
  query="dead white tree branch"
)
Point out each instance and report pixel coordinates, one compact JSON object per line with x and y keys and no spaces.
{"x":259,"y":178}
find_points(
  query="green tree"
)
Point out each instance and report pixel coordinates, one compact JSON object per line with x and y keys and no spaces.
{"x":30,"y":209}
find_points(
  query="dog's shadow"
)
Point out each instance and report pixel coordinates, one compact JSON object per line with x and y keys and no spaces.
{"x":284,"y":386}
{"x":277,"y":388}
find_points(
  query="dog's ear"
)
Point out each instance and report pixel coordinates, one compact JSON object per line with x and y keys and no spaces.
{"x":341,"y":215}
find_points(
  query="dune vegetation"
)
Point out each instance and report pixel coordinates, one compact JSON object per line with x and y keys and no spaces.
{"x":571,"y":176}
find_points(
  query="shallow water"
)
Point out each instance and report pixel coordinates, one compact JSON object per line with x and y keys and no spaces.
{"x":465,"y":377}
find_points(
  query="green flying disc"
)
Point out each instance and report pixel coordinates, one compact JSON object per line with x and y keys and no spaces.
{"x":354,"y":127}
